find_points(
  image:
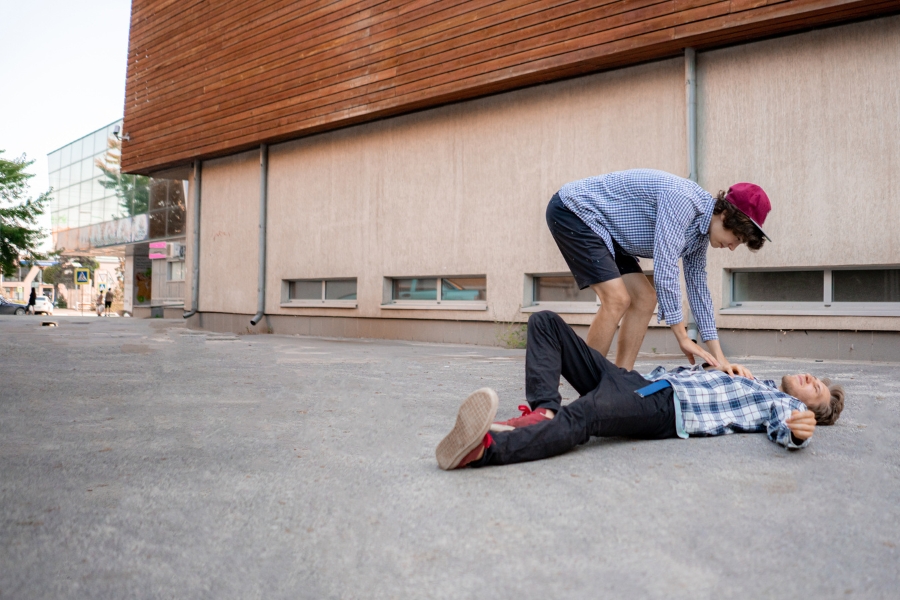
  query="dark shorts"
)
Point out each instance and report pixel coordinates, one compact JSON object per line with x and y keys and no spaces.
{"x":109,"y":304}
{"x":585,"y":252}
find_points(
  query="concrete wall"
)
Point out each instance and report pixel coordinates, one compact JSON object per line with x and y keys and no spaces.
{"x":454,"y":191}
{"x":461,"y":190}
{"x":229,"y":222}
{"x":815,"y":120}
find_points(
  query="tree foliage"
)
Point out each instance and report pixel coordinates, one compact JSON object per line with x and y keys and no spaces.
{"x":64,"y":271}
{"x":133,"y":191}
{"x":20,"y":234}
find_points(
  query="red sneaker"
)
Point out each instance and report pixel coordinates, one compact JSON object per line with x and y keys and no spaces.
{"x":528,"y":417}
{"x":470,"y":433}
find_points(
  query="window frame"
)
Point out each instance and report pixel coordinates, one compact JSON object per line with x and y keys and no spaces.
{"x":287,"y":302}
{"x":169,"y":264}
{"x":390,"y":303}
{"x":828,"y":307}
{"x":530,"y":305}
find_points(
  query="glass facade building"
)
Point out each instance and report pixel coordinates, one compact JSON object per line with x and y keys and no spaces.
{"x":79,"y":198}
{"x":93,"y":205}
{"x":96,"y":210}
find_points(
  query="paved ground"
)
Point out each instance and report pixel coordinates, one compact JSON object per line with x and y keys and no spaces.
{"x":142,"y":460}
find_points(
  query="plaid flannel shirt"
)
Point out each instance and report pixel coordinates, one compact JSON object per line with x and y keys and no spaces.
{"x":654,"y":214}
{"x":715,"y":403}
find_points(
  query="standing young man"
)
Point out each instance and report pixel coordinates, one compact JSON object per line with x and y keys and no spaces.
{"x":602,"y":223}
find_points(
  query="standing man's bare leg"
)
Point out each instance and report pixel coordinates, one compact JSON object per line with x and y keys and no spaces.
{"x":614,"y":301}
{"x":636,"y":319}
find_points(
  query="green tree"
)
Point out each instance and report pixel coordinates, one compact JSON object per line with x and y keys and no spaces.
{"x":19,"y":232}
{"x":64,"y":271}
{"x":133,"y":191}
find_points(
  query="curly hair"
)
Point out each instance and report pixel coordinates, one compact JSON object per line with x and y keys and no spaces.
{"x":739,"y":223}
{"x":827,"y":415}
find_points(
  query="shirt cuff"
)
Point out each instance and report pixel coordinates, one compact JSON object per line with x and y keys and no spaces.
{"x":671,"y":318}
{"x":707,"y":335}
{"x":793,"y":445}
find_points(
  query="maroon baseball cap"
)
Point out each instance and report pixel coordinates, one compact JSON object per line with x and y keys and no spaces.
{"x":751,"y":200}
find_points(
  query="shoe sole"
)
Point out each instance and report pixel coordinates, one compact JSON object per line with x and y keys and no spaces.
{"x":472,"y":423}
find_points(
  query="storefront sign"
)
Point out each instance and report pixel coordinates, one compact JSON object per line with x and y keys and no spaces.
{"x":118,"y":231}
{"x":157,"y":250}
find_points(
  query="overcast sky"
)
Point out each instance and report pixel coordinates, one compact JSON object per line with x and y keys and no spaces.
{"x":62,"y":74}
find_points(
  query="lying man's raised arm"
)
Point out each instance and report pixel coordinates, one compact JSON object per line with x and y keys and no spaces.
{"x":789,"y":427}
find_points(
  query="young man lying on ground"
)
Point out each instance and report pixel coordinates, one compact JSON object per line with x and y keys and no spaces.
{"x":615,"y":402}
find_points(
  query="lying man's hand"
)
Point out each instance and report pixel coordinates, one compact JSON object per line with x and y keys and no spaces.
{"x":802,"y":424}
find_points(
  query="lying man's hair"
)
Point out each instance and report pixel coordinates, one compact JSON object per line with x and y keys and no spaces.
{"x":827,"y":415}
{"x":739,"y":223}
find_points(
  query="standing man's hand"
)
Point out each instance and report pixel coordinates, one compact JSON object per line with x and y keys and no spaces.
{"x":724,"y":365}
{"x":802,"y":424}
{"x":690,"y":347}
{"x":736,"y":369}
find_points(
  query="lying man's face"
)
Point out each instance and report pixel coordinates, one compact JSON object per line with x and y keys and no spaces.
{"x":807,"y":389}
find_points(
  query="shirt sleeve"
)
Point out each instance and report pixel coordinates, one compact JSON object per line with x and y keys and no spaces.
{"x":674,"y":214}
{"x":698,"y":293}
{"x":776,"y":427}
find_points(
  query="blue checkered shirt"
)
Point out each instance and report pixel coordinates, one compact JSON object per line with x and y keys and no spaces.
{"x":654,"y":214}
{"x":715,"y":403}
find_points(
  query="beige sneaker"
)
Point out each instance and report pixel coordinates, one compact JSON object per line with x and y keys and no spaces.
{"x":472,"y":424}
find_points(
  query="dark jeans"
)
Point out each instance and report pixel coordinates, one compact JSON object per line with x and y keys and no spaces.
{"x":607,"y":407}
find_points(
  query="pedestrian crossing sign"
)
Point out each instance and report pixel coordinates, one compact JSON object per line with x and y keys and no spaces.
{"x":82,"y":276}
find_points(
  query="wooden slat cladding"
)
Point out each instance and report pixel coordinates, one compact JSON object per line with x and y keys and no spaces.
{"x":212,"y":77}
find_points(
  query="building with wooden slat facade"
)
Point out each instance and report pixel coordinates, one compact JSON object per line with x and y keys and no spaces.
{"x":409,"y":149}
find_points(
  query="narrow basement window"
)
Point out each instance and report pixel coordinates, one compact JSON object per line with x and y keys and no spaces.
{"x":866,"y":285}
{"x":327,"y":293}
{"x":463,"y":292}
{"x":838,"y":291}
{"x":559,"y":292}
{"x":560,"y":288}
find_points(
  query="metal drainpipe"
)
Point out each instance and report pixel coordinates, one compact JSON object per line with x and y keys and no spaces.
{"x":195,"y":254}
{"x":690,"y":84}
{"x":263,"y":200}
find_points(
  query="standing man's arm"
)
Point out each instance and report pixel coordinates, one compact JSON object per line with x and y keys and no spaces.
{"x":673,"y":216}
{"x":701,"y":305}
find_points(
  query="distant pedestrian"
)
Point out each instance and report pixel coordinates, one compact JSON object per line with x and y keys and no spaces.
{"x":32,"y":298}
{"x":109,"y":300}
{"x":99,"y":304}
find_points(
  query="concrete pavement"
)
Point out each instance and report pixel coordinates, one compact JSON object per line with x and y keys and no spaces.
{"x":142,"y":460}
